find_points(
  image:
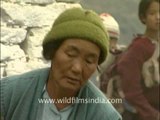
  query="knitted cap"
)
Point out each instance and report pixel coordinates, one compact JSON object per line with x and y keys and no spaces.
{"x":80,"y":23}
{"x":111,"y":25}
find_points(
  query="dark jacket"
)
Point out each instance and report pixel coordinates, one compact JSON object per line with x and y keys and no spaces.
{"x":129,"y":67}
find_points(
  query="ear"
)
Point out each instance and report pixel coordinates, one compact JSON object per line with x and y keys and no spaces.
{"x":143,"y":19}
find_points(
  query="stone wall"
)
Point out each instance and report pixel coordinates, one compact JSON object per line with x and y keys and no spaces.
{"x":24,"y":24}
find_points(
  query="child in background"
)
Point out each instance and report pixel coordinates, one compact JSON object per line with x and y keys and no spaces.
{"x":129,"y":67}
{"x":107,"y":85}
{"x":113,"y":31}
{"x":112,"y":28}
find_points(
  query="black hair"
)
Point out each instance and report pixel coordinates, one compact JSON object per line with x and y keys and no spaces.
{"x":143,"y":7}
{"x":50,"y":48}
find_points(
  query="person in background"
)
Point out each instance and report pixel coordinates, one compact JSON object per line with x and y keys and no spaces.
{"x":129,"y":67}
{"x":75,"y":45}
{"x":113,"y":31}
{"x":107,"y":85}
{"x":112,"y":28}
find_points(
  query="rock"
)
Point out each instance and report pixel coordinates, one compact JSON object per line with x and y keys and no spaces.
{"x":35,"y":16}
{"x":16,"y":67}
{"x":33,"y":2}
{"x":23,"y":27}
{"x":37,"y":63}
{"x":69,"y":1}
{"x":2,"y":71}
{"x":39,"y":2}
{"x":11,"y":52}
{"x":12,"y":36}
{"x":33,"y":43}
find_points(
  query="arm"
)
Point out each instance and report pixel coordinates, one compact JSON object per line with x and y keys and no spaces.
{"x":147,"y":75}
{"x":129,"y":68}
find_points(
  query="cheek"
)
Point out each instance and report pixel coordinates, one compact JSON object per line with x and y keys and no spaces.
{"x":59,"y":63}
{"x":87,"y":73}
{"x":113,"y":43}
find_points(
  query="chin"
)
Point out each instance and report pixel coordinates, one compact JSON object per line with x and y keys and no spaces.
{"x":71,"y":87}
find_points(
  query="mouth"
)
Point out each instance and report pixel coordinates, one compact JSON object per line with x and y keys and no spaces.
{"x":73,"y":81}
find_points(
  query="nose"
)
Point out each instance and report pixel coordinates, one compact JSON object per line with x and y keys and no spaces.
{"x":77,"y":66}
{"x":158,"y":15}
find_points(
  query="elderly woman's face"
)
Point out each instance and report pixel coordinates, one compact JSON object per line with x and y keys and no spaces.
{"x":74,"y":62}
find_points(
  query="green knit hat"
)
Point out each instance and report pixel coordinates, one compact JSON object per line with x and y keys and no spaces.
{"x":80,"y":23}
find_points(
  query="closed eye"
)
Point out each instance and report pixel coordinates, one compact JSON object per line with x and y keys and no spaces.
{"x":71,"y":54}
{"x":91,"y":59}
{"x":72,"y":51}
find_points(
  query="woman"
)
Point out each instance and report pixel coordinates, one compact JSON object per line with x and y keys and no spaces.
{"x":75,"y":46}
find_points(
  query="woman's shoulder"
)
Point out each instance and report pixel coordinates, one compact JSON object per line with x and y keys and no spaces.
{"x":22,"y":78}
{"x":13,"y":88}
{"x":97,"y":100}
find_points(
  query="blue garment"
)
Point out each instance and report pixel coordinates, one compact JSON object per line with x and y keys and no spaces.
{"x":20,"y":94}
{"x":48,"y":110}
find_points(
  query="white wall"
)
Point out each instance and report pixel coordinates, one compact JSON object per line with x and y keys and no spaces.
{"x":24,"y":24}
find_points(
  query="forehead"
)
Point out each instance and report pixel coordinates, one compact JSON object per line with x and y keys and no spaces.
{"x":82,"y":45}
{"x":154,"y":6}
